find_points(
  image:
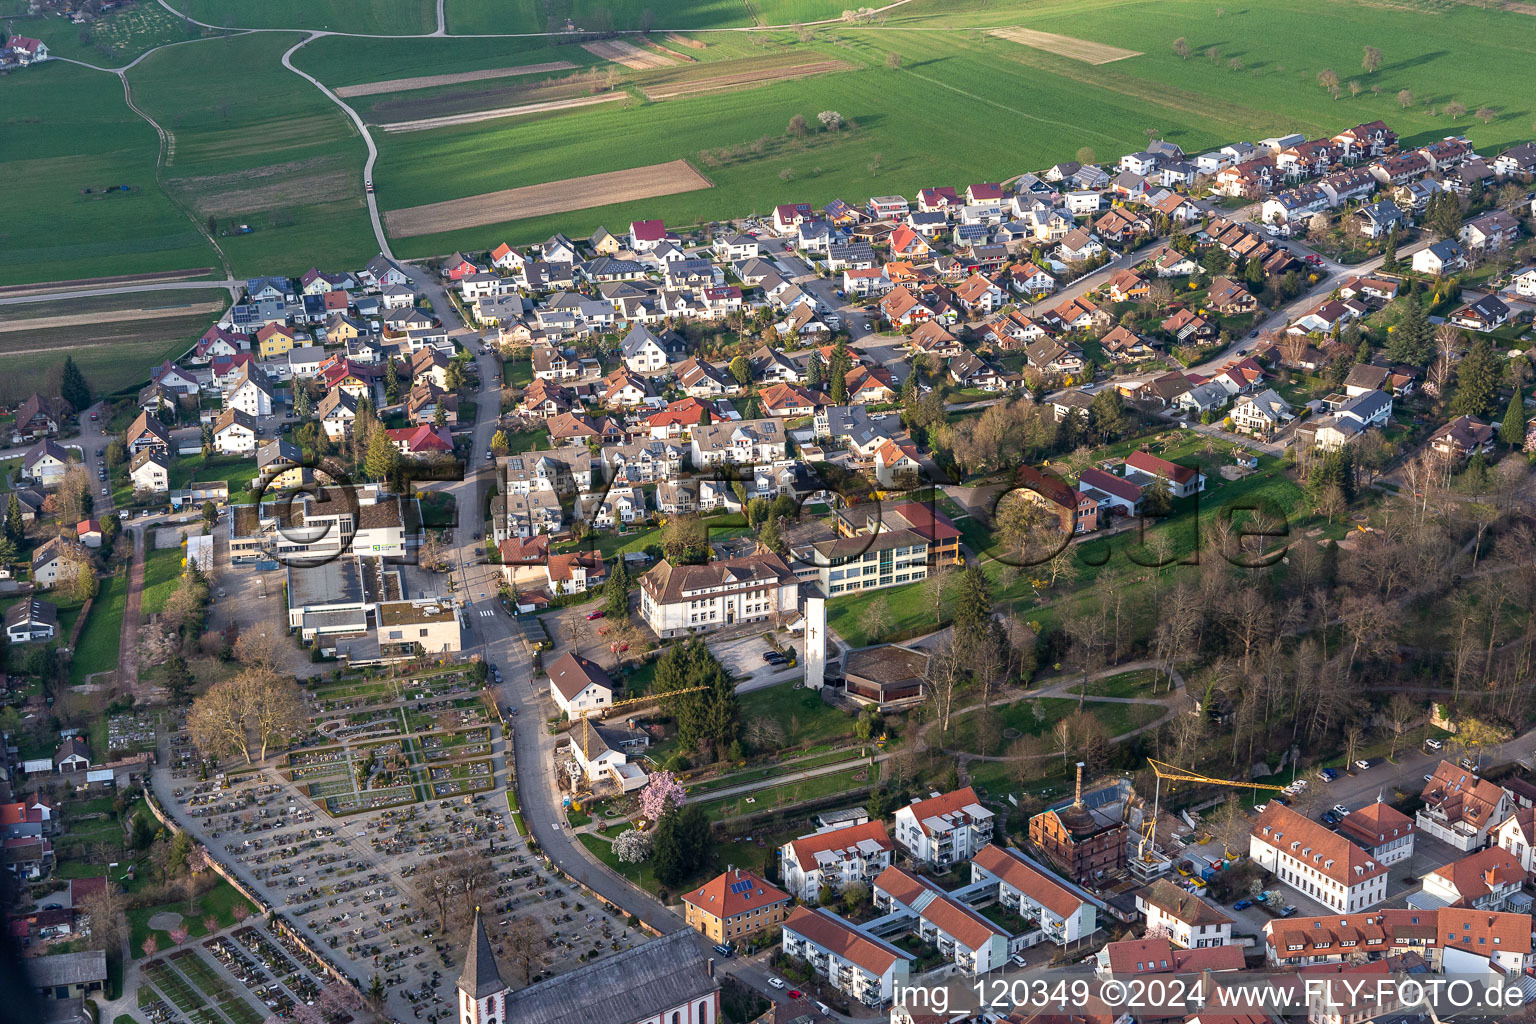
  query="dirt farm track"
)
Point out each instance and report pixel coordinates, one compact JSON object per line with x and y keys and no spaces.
{"x":551,"y":197}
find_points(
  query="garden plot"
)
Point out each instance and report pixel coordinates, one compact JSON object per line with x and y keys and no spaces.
{"x":628,"y":54}
{"x":1065,"y":46}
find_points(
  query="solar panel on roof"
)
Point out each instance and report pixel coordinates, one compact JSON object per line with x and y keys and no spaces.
{"x":741,"y":886}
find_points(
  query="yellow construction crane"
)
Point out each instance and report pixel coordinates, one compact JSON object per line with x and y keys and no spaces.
{"x":586,"y":726}
{"x":1173,"y":773}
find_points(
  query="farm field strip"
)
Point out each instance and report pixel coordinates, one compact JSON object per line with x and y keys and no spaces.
{"x":450,"y":120}
{"x":551,"y":197}
{"x":628,"y":54}
{"x":743,"y":78}
{"x":429,"y":81}
{"x":122,"y":316}
{"x":1066,"y":46}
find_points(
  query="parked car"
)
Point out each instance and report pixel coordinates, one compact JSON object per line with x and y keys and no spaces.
{"x":596,"y":615}
{"x":1433,"y":744}
{"x":1328,"y":774}
{"x":1340,"y":810}
{"x":723,"y":949}
{"x":1362,"y":764}
{"x":776,"y":982}
{"x":1328,"y":818}
{"x":795,"y":993}
{"x":1242,"y":904}
{"x":1018,"y":961}
{"x":1287,"y":911}
{"x":1469,"y":764}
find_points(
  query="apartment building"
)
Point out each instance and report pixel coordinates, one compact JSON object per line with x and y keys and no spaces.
{"x":1182,"y":917}
{"x":945,"y":828}
{"x":853,"y":961}
{"x":834,"y":857}
{"x":1064,"y":912}
{"x":680,"y":599}
{"x":974,"y":944}
{"x":735,"y":906}
{"x":1381,"y":831}
{"x":846,"y":565}
{"x":1310,"y":858}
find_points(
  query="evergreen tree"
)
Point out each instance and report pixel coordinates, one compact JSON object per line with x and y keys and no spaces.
{"x":667,"y":854}
{"x":973,"y":604}
{"x":1389,"y":252}
{"x":1334,"y":469}
{"x":1512,"y":430}
{"x":454,"y":375}
{"x":73,"y":387}
{"x":813,"y":372}
{"x":837,"y":372}
{"x":1477,"y":381}
{"x":1156,"y":498}
{"x":178,"y":678}
{"x":303,"y":405}
{"x":391,"y":382}
{"x":741,"y":370}
{"x":15,"y":529}
{"x":771,"y":536}
{"x":1412,"y":340}
{"x":1253,"y":273}
{"x":439,"y":417}
{"x":616,"y":590}
{"x":382,"y":457}
{"x":1106,"y":415}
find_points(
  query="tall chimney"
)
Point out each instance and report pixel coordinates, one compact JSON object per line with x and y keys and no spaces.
{"x":1078,"y":799}
{"x":709,"y":965}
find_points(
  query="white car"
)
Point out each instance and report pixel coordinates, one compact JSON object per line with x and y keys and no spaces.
{"x":776,"y":982}
{"x":1341,"y":810}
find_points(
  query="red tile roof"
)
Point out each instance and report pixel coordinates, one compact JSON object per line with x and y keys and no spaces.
{"x":807,"y":848}
{"x":734,"y":892}
{"x":1037,"y":885}
{"x":1149,"y":463}
{"x":1478,"y":874}
{"x":1308,"y":841}
{"x":835,"y":935}
{"x":951,"y":804}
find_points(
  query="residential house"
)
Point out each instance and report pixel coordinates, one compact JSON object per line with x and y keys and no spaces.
{"x":735,"y":907}
{"x":1489,"y":232}
{"x":1079,"y":246}
{"x":1440,"y":258}
{"x":1484,"y":880}
{"x":1381,"y":218}
{"x":234,"y":433}
{"x":1261,"y":414}
{"x":45,"y":463}
{"x":336,"y":411}
{"x":1483,"y":315}
{"x":31,"y":620}
{"x":974,"y":943}
{"x":1381,"y":831}
{"x":1144,"y":467}
{"x":50,"y":561}
{"x":150,"y":470}
{"x":1516,"y":834}
{"x":1463,"y":437}
{"x":1183,"y":918}
{"x":580,"y":688}
{"x":146,"y":431}
{"x":1460,"y":808}
{"x":250,"y":392}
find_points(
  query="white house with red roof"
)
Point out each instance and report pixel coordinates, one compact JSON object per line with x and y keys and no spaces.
{"x":645,"y":235}
{"x":789,"y":216}
{"x":1111,"y":492}
{"x":24,"y":50}
{"x":945,"y":828}
{"x":1312,"y":859}
{"x":974,"y":944}
{"x":835,"y":857}
{"x":1380,"y":830}
{"x":1484,"y":880}
{"x":422,"y":439}
{"x":579,"y":687}
{"x":1460,"y":808}
{"x":1517,"y":834}
{"x":1144,"y":467}
{"x":1065,"y":912}
{"x":1181,"y":917}
{"x":852,"y":960}
{"x":891,"y":459}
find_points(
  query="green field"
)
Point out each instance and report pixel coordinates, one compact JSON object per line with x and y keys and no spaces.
{"x":114,"y":38}
{"x":65,"y":129}
{"x":112,"y":353}
{"x":262,"y":148}
{"x":343,"y":60}
{"x":386,"y":17}
{"x":101,"y":639}
{"x":162,"y":568}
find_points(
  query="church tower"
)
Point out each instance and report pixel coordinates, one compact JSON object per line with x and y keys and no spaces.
{"x":482,"y":993}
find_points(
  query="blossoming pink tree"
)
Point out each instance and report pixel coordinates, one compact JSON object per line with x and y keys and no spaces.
{"x":662,"y":791}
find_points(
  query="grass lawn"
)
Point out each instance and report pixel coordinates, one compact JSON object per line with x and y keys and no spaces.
{"x":78,"y":134}
{"x":101,"y":639}
{"x":1127,"y":684}
{"x":235,"y":470}
{"x":641,"y":874}
{"x":1035,"y":717}
{"x":385,"y":17}
{"x":162,"y":568}
{"x":799,"y":712}
{"x":849,"y":780}
{"x":911,"y":606}
{"x":220,"y":901}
